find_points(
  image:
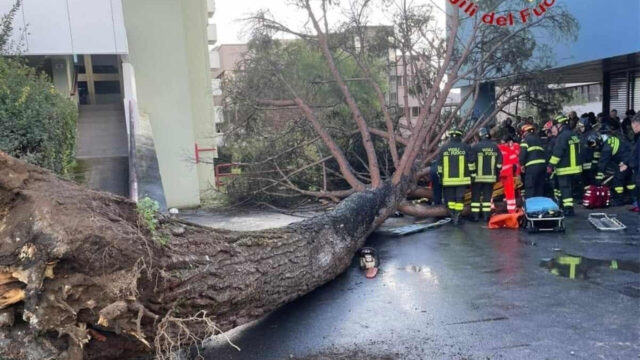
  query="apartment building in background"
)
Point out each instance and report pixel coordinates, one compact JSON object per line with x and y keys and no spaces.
{"x":225,"y":59}
{"x":139,"y":71}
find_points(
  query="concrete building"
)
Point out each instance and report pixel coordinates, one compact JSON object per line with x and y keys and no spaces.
{"x":140,"y":72}
{"x":606,"y":52}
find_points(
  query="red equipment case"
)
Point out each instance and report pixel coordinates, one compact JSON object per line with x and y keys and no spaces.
{"x":596,"y":197}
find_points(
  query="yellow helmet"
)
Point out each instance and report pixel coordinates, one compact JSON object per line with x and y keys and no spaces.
{"x":561,"y":119}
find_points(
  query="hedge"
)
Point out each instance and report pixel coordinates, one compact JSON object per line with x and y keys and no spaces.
{"x":37,"y":124}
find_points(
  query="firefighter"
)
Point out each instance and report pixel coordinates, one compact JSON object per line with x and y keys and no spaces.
{"x":488,"y":163}
{"x":510,"y":151}
{"x":565,"y":162}
{"x":532,"y":161}
{"x":455,"y":164}
{"x":616,"y":154}
{"x":590,"y":156}
{"x":550,"y":133}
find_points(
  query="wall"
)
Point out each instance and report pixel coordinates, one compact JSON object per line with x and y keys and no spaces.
{"x":196,"y":16}
{"x":68,"y":27}
{"x":159,"y":53}
{"x":607,"y":28}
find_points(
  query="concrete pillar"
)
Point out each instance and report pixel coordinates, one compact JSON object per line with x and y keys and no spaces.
{"x":62,"y":70}
{"x":199,"y":75}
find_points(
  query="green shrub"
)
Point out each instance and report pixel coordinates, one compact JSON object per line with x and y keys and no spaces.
{"x":37,"y":124}
{"x":147,"y":213}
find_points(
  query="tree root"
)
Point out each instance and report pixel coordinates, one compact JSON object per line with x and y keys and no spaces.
{"x":110,"y":292}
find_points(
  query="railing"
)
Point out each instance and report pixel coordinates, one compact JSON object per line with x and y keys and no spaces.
{"x":198,"y":150}
{"x":233,"y":170}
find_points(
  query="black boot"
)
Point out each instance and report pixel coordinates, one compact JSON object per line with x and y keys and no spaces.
{"x":616,"y":201}
{"x":486,"y":216}
{"x":568,"y":211}
{"x":455,"y":217}
{"x":475,"y":217}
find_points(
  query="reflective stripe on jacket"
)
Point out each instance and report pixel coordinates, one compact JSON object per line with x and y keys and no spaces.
{"x":531,"y":151}
{"x":614,"y":151}
{"x":455,"y":163}
{"x":488,"y":161}
{"x":510,"y":159}
{"x":566,"y":153}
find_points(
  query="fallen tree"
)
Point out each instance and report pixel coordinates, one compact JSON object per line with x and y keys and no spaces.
{"x":81,"y":276}
{"x":85,"y":276}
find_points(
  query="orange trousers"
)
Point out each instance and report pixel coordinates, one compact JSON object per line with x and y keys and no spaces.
{"x":508,"y":183}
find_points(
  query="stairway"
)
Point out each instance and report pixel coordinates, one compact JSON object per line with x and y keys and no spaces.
{"x":102,"y":148}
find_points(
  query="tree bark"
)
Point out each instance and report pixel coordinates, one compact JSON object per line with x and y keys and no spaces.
{"x":80,"y":263}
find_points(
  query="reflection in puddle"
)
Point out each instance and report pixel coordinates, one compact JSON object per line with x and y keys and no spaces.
{"x":573,"y":267}
{"x":424,"y":272}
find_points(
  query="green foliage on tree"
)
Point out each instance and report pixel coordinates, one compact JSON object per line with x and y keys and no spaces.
{"x":37,"y":124}
{"x":260,"y":136}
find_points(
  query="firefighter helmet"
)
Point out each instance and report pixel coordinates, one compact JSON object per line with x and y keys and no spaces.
{"x":483,"y":133}
{"x":561,"y":119}
{"x":527,"y":128}
{"x":455,"y":132}
{"x":594,"y":141}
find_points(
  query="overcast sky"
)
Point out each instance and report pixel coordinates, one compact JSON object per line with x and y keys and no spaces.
{"x":230,"y":12}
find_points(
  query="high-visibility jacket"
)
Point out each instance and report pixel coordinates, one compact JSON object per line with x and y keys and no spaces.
{"x":488,"y":161}
{"x":531,"y":151}
{"x":590,"y":157}
{"x":510,"y":159}
{"x":566,"y":153}
{"x":455,"y":163}
{"x":614,"y":151}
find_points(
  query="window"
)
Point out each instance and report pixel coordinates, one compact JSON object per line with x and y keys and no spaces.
{"x":415,"y":111}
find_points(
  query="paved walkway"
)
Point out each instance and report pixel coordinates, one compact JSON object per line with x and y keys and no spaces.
{"x":464,"y":293}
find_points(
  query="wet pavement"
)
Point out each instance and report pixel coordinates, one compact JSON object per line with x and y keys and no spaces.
{"x":466,"y":293}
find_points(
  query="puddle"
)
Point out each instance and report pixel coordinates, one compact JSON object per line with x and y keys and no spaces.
{"x":578,"y":267}
{"x":423,"y":271}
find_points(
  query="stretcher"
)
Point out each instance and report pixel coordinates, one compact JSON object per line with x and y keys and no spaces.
{"x":414,"y":228}
{"x":606,"y":222}
{"x":542,"y":214}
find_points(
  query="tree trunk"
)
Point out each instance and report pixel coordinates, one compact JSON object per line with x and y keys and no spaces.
{"x":79,"y":263}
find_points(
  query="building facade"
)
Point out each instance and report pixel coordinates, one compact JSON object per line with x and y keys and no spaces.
{"x":140,"y":73}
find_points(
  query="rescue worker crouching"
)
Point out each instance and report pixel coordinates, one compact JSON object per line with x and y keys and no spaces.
{"x":565,"y":162}
{"x":590,"y":156}
{"x":455,"y":165}
{"x":532,"y":160}
{"x":615,"y":154}
{"x":488,"y":163}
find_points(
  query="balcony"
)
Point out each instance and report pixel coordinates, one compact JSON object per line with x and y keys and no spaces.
{"x":211,"y":7}
{"x":212,"y":33}
{"x":218,"y":114}
{"x":216,"y":87}
{"x":214,"y":59}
